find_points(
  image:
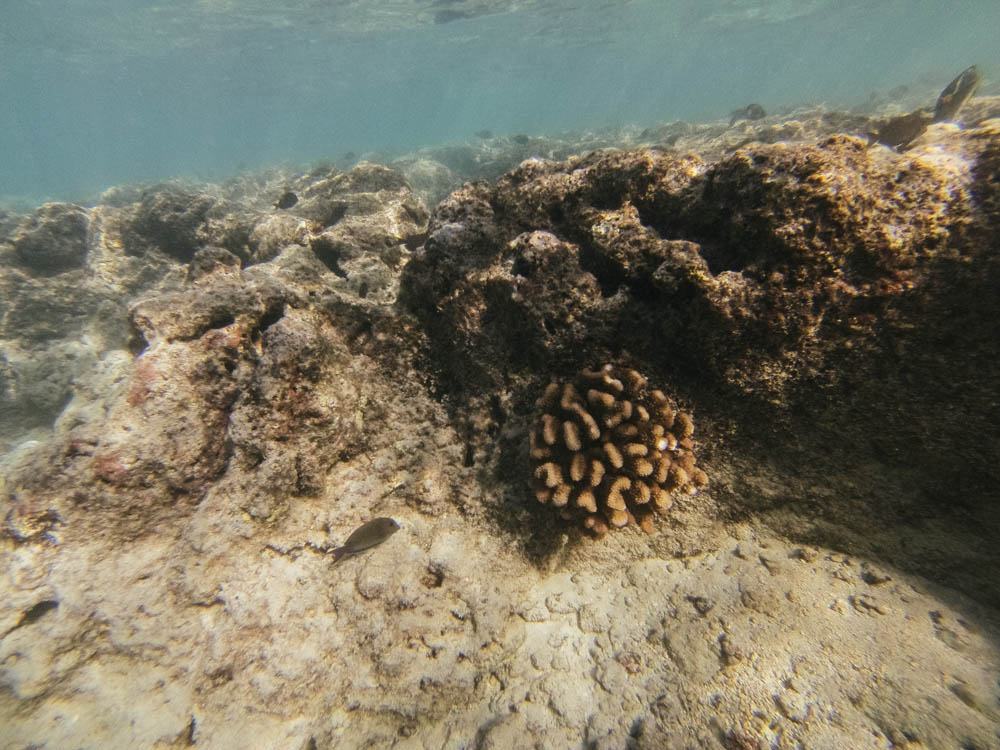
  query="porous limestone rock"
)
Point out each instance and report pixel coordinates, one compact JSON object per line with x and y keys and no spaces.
{"x":236,"y":643}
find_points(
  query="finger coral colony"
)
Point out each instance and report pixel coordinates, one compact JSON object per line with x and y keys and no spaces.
{"x":608,"y":450}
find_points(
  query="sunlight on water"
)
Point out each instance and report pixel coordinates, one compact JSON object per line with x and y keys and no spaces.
{"x":104,"y":92}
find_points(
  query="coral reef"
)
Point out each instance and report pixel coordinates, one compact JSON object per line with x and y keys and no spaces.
{"x":235,"y":362}
{"x":610,"y":450}
{"x":798,"y":288}
{"x":201,"y":392}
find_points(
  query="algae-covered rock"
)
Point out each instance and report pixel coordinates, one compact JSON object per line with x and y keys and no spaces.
{"x":53,"y":239}
{"x":801,"y":290}
{"x":170,"y":221}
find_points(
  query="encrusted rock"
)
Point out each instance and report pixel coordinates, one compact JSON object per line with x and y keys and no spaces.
{"x":168,"y":220}
{"x":210,"y":259}
{"x":609,"y":450}
{"x":53,"y":239}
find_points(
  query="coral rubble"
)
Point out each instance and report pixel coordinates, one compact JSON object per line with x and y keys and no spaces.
{"x":610,"y":450}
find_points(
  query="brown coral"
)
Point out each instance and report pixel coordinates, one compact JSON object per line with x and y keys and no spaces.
{"x":608,"y":450}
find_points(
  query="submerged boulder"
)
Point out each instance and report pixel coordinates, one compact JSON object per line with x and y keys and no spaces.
{"x":797,"y":295}
{"x":170,"y":220}
{"x":53,"y":239}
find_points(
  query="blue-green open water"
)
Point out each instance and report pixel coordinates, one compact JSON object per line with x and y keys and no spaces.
{"x":99,"y":92}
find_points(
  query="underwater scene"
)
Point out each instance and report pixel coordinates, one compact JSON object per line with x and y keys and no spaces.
{"x":487,"y":374}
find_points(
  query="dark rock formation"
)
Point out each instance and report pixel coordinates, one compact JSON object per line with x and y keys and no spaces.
{"x":53,"y":239}
{"x":813,"y":289}
{"x":776,"y":256}
{"x":171,"y":221}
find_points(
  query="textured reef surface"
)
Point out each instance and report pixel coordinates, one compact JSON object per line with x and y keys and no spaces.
{"x":203,"y":388}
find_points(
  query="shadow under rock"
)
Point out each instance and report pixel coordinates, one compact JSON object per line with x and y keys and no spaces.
{"x":541,"y":532}
{"x":859,"y":492}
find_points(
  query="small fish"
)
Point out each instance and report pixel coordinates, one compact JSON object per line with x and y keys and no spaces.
{"x":484,"y":134}
{"x":897,"y":132}
{"x":750,"y":112}
{"x":33,"y":615}
{"x":956,"y":94}
{"x":287,"y":200}
{"x":367,"y":535}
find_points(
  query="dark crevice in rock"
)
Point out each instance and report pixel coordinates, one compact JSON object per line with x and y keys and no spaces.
{"x":337,"y":211}
{"x":137,"y":342}
{"x":275,"y":311}
{"x":609,"y":276}
{"x":329,"y":253}
{"x":33,"y":615}
{"x":220,"y":318}
{"x":38,"y":611}
{"x":522,"y":267}
{"x":723,"y":255}
{"x":413,"y":241}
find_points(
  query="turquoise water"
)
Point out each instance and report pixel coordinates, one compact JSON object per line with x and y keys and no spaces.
{"x":99,"y":92}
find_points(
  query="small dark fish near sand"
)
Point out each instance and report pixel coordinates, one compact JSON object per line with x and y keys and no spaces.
{"x":287,"y":200}
{"x":750,"y":112}
{"x":898,"y":132}
{"x":956,"y":94}
{"x":367,"y":535}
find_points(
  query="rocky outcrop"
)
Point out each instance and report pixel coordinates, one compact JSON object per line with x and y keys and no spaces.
{"x":756,"y":268}
{"x":807,"y":289}
{"x":219,"y":390}
{"x":53,"y":239}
